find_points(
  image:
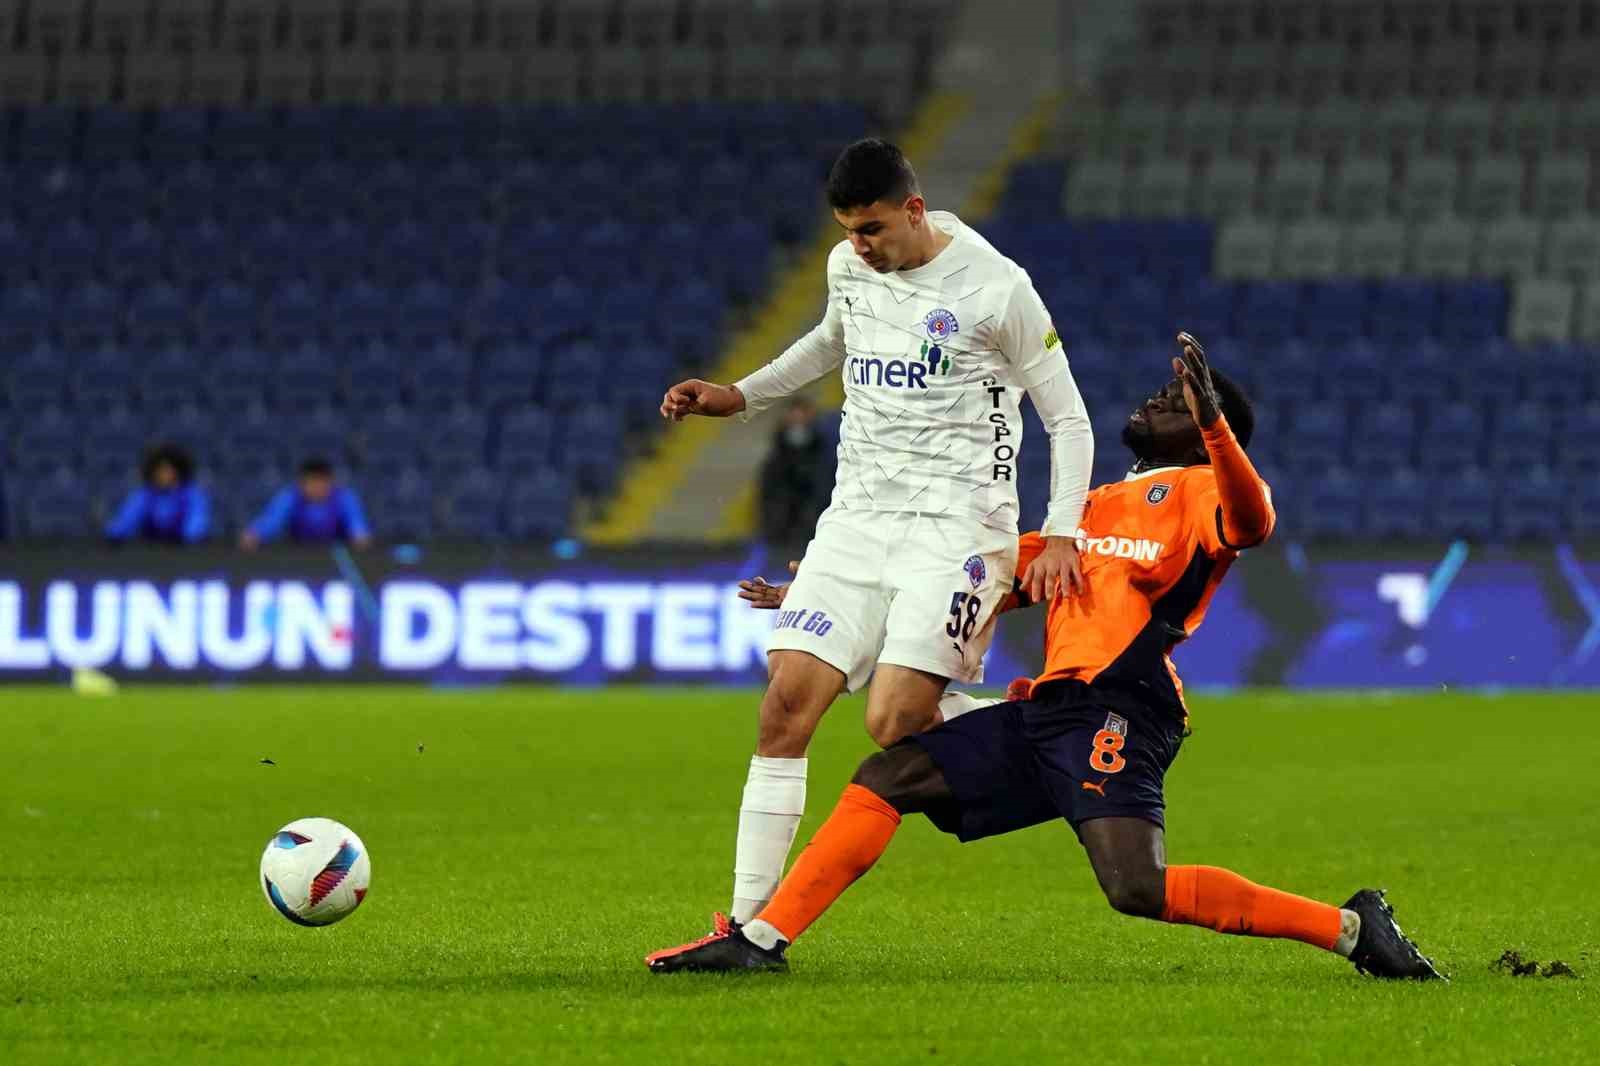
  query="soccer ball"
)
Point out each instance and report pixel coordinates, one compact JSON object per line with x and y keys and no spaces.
{"x":315,"y":871}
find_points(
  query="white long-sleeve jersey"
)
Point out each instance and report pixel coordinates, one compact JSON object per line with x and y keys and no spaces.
{"x":935,"y":361}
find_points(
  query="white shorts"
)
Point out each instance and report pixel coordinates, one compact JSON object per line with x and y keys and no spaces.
{"x":907,"y":589}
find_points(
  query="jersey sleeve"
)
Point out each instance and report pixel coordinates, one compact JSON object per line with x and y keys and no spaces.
{"x":1029,"y":545}
{"x":1027,"y":338}
{"x":1234,"y":511}
{"x":803,"y":362}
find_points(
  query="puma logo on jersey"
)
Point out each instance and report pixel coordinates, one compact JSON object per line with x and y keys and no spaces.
{"x":1140,"y":550}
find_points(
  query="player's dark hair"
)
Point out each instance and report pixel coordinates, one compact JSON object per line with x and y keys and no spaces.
{"x":868,"y":171}
{"x":173,"y":455}
{"x":316,"y":466}
{"x":1236,"y":407}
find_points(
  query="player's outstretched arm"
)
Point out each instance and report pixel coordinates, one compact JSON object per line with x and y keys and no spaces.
{"x":1246,"y":512}
{"x":696,"y":397}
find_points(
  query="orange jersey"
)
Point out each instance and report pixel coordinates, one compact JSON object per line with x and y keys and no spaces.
{"x":1153,"y":551}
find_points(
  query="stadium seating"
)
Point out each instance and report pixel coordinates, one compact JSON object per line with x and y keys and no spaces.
{"x":322,"y":280}
{"x":1402,"y":234}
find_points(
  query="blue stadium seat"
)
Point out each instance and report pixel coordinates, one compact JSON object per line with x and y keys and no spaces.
{"x":507,"y":375}
{"x":47,"y":134}
{"x":34,"y":379}
{"x":1463,"y":505}
{"x":1394,"y":505}
{"x":239,"y":379}
{"x":57,"y":508}
{"x":394,"y":438}
{"x":1521,"y":439}
{"x":593,"y":452}
{"x":1582,"y":510}
{"x":1135,"y":312}
{"x":374,"y":378}
{"x":402,"y":508}
{"x":1203,"y":306}
{"x":1333,"y":506}
{"x":470,"y":508}
{"x":361,"y":311}
{"x":195,"y":248}
{"x":1318,"y":441}
{"x":190,"y":424}
{"x":427,"y":312}
{"x":68,"y":253}
{"x":169,"y":379}
{"x":293,"y":314}
{"x":244,"y":134}
{"x":1384,"y":438}
{"x":253,"y":436}
{"x":103,"y":379}
{"x":111,"y":134}
{"x":526,"y":435}
{"x":458,"y":441}
{"x":1533,"y":505}
{"x":1404,"y":312}
{"x":45,"y":440}
{"x":178,"y":135}
{"x":157,"y":314}
{"x":226,"y":314}
{"x":1452,"y":438}
{"x":1472,"y":311}
{"x":441,"y":377}
{"x":117,"y":438}
{"x":319,"y":432}
{"x":539,"y":505}
{"x":134,"y":251}
{"x":1334,"y":311}
{"x":305,"y":380}
{"x":1268,"y":311}
{"x":89,"y":315}
{"x":1356,"y":372}
{"x":1578,"y":442}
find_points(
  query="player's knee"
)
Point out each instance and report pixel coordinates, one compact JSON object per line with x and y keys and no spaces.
{"x":790,"y":710}
{"x":891,"y":724}
{"x":1139,"y":895}
{"x":892,"y":775}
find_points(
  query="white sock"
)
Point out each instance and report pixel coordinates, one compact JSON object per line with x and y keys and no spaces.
{"x":774,"y":800}
{"x":1349,"y":932}
{"x":763,"y":935}
{"x":953,"y":705}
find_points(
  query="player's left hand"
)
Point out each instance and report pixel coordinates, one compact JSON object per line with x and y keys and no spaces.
{"x":1055,"y":571}
{"x":1198,"y":390}
{"x":762,"y":596}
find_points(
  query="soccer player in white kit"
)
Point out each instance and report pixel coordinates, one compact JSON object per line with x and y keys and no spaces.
{"x":937,"y":336}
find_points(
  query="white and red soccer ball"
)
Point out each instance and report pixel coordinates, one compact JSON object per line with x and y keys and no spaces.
{"x":315,"y":871}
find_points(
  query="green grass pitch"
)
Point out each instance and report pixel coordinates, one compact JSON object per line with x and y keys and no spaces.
{"x":530,"y":845}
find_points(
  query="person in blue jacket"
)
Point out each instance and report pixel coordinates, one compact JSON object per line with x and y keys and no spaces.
{"x":169,"y":508}
{"x":314,"y":510}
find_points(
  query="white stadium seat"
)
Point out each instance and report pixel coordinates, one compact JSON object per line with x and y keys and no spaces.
{"x":1542,"y":310}
{"x":1095,"y":188}
{"x":1375,"y":248}
{"x":1161,"y":188}
{"x":688,"y":72}
{"x":1507,"y":248}
{"x":288,"y":76}
{"x":383,"y":24}
{"x":1588,"y":318}
{"x":622,"y":72}
{"x":1429,"y":187}
{"x":85,"y":79}
{"x":1295,"y":186}
{"x":550,"y":75}
{"x":1245,"y":249}
{"x":25,"y":78}
{"x":1361,"y":187}
{"x":1493,"y":187}
{"x":160,"y":78}
{"x":487,"y":76}
{"x":1441,"y":248}
{"x":1227,"y":188}
{"x":1572,"y":248}
{"x":1308,"y":248}
{"x":423,"y":77}
{"x":1561,"y":185}
{"x":355,"y":76}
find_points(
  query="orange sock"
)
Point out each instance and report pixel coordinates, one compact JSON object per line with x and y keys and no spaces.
{"x":846,"y":846}
{"x":1222,"y":900}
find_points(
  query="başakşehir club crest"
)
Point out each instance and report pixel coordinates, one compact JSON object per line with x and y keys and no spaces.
{"x":975,"y":569}
{"x":940,"y":324}
{"x":1157,"y":493}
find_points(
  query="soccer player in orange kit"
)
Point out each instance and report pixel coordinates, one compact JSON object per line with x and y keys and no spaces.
{"x":1092,"y":740}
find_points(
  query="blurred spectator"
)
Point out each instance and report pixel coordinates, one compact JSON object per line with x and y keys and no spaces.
{"x":791,"y":480}
{"x":169,"y":507}
{"x":314,"y":510}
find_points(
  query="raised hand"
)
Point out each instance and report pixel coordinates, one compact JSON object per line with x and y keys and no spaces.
{"x":696,"y":397}
{"x":1198,"y":390}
